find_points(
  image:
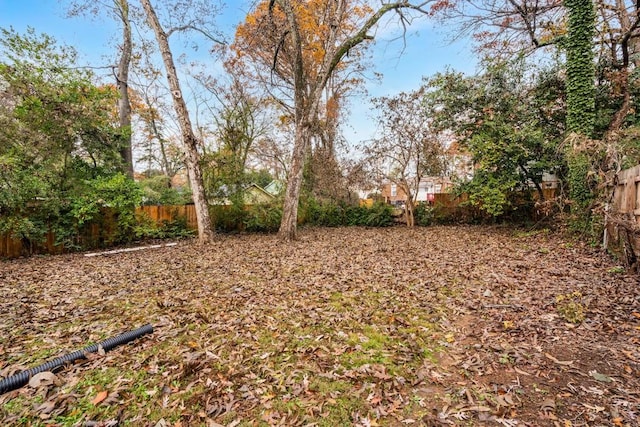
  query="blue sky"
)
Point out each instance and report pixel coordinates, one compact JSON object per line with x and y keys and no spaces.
{"x":426,"y":51}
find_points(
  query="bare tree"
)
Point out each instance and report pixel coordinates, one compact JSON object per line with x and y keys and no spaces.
{"x":189,"y":139}
{"x":504,"y":26}
{"x":408,"y":149}
{"x":160,"y":147}
{"x":122,"y":79}
{"x":240,"y":119}
{"x":274,"y":155}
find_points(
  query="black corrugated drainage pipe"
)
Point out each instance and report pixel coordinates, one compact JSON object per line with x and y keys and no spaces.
{"x":21,"y":378}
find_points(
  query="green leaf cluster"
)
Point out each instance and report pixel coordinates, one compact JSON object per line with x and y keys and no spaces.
{"x":157,"y":190}
{"x":580,"y":66}
{"x":59,"y":153}
{"x":332,"y":214}
{"x":509,"y":119}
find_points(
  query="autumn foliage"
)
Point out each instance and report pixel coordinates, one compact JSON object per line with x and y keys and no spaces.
{"x":263,"y":38}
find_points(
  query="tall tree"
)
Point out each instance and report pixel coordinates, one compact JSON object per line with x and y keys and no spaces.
{"x":189,"y":139}
{"x":122,"y":79}
{"x":504,"y":26}
{"x":121,"y":10}
{"x":580,"y":67}
{"x":255,"y":41}
{"x":325,"y":176}
{"x":618,"y":35}
{"x":160,"y":148}
{"x":580,"y":101}
{"x":240,"y":122}
{"x":304,"y":61}
{"x":56,"y":135}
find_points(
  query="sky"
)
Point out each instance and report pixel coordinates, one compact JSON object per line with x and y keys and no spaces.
{"x":403,"y":66}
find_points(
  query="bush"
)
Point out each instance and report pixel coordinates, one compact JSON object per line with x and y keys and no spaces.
{"x":157,"y":191}
{"x":263,"y":218}
{"x":330,"y":214}
{"x":379,"y":215}
{"x":225,"y":218}
{"x":116,"y":194}
{"x":267,"y":217}
{"x":147,"y":228}
{"x":424,"y":214}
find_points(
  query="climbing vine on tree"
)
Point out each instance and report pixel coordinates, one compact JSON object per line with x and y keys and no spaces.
{"x":580,"y":67}
{"x":580,"y":101}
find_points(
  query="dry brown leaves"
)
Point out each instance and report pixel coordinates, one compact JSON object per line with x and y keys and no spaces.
{"x":350,"y":326}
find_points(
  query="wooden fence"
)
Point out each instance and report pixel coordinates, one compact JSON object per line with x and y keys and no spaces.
{"x":99,"y":234}
{"x":162,"y":213}
{"x":622,"y":235}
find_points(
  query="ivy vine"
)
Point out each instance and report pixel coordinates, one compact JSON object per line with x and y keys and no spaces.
{"x":580,"y":100}
{"x":580,"y":66}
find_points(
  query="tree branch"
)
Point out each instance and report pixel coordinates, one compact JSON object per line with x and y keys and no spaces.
{"x":197,"y":29}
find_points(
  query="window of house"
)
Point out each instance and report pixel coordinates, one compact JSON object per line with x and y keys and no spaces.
{"x":394,"y":190}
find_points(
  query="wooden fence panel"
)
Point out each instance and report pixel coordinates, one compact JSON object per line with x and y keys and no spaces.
{"x":448,"y":200}
{"x":623,"y":219}
{"x":160,"y":213}
{"x":10,"y":247}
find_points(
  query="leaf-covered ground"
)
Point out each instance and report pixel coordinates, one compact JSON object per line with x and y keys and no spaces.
{"x":351,"y":326}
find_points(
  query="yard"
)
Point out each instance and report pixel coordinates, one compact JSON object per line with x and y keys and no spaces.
{"x":430,"y":326}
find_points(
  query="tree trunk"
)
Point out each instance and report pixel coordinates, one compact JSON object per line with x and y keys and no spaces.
{"x":409,"y":206}
{"x":618,"y":118}
{"x":303,"y":116}
{"x":411,"y":209}
{"x":289,"y":223}
{"x":205,"y":231}
{"x":580,"y":67}
{"x":122,"y":80}
{"x":580,"y":103}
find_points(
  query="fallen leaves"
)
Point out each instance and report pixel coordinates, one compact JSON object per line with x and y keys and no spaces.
{"x":43,"y":379}
{"x":100,"y":397}
{"x":600,"y":377}
{"x":434,"y":326}
{"x":559,"y":362}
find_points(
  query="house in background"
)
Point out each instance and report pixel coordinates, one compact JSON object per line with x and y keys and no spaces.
{"x":393,"y":194}
{"x":275,"y":187}
{"x":458,"y":166}
{"x":253,"y":194}
{"x":428,"y":186}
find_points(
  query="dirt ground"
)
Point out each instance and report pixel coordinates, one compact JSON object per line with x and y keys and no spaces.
{"x":436,"y":326}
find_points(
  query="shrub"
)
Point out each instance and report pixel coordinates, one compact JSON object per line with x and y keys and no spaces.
{"x":263,"y":218}
{"x":331,"y":214}
{"x":228,"y":218}
{"x":114,"y":196}
{"x":157,"y":191}
{"x":424,"y":214}
{"x":327,"y":214}
{"x":147,"y":228}
{"x":379,"y":215}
